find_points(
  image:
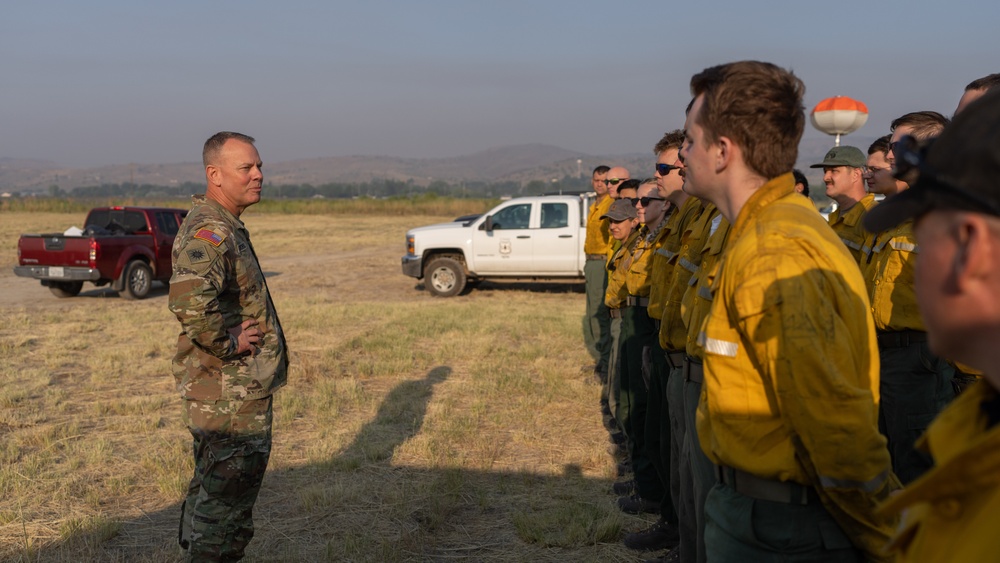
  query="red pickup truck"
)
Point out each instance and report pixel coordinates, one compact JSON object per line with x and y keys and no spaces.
{"x":128,"y":247}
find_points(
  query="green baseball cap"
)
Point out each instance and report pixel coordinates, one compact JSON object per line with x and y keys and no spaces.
{"x":843,"y":156}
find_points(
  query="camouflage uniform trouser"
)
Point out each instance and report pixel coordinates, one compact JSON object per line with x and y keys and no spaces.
{"x":232,"y":443}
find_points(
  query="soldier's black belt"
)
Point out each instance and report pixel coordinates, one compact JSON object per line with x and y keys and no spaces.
{"x":674,"y":359}
{"x":596,"y":257}
{"x":900,"y":338}
{"x":636,"y":301}
{"x":759,"y":488}
{"x":615,"y":313}
{"x":693,"y":370}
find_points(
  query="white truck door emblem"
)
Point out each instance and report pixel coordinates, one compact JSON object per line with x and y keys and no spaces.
{"x":505,"y":246}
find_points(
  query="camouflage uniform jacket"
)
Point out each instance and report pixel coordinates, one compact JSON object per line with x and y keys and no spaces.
{"x":217,"y":284}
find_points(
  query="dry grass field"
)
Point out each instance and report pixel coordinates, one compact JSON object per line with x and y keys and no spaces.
{"x":412,"y":428}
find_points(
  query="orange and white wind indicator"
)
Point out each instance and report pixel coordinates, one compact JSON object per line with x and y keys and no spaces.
{"x":838,"y":116}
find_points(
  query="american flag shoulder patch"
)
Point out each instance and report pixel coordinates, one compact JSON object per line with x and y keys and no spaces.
{"x":209,"y":236}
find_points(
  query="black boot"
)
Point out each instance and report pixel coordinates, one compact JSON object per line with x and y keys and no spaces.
{"x":635,"y":504}
{"x":661,"y":535}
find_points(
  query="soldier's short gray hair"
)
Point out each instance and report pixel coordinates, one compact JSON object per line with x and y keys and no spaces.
{"x":214,"y":144}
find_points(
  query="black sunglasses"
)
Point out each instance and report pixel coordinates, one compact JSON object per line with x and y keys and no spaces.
{"x":644,"y":200}
{"x":907,"y":154}
{"x":614,"y":181}
{"x":665,"y":169}
{"x":910,"y":155}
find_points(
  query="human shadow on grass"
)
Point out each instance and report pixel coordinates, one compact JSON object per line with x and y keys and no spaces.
{"x":358,"y":506}
{"x":399,"y":418}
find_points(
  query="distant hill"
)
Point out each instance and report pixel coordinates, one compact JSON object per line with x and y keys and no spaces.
{"x":517,"y":163}
{"x":490,"y":165}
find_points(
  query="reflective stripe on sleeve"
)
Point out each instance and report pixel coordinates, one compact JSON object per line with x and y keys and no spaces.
{"x":705,"y":292}
{"x":664,"y":252}
{"x":903,"y":246}
{"x":718,"y":347}
{"x":688,"y":265}
{"x":850,"y":244}
{"x":715,"y":224}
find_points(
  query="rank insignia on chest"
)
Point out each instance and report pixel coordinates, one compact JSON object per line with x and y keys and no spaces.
{"x":209,"y":236}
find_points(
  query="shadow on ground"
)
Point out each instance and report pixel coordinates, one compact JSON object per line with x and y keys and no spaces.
{"x":357,"y":506}
{"x":158,"y":290}
{"x":535,"y":287}
{"x":500,"y":287}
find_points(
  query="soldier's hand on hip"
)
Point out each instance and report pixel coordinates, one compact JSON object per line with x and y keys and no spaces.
{"x":248,"y":336}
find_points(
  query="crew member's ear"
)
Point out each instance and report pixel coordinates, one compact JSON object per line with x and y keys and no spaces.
{"x":213,"y":174}
{"x":974,"y":247}
{"x":725,"y":153}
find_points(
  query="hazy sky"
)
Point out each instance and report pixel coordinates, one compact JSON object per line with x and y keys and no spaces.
{"x":113,"y":82}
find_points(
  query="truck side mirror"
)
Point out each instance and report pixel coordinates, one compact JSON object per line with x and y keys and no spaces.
{"x":488,"y":224}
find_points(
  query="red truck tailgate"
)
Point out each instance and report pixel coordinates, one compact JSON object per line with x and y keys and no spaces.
{"x":54,"y":249}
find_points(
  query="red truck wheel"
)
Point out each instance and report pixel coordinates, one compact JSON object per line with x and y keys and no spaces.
{"x":138,"y":280}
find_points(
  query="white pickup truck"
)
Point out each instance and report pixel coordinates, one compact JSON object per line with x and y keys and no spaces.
{"x":526,"y":238}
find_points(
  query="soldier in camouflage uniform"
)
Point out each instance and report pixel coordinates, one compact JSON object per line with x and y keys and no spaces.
{"x":231,"y":353}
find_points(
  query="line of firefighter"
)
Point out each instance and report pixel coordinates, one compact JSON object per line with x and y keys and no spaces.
{"x":663,"y":251}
